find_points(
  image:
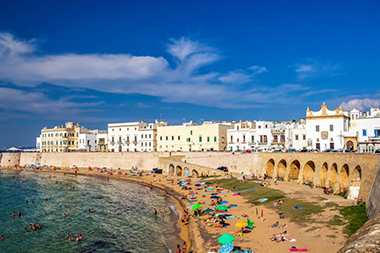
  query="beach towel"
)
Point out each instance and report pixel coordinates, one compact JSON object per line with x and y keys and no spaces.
{"x":232,"y":205}
{"x":230,"y":217}
{"x":299,"y":250}
{"x":236,"y":194}
{"x":298,"y":207}
{"x":263,"y":200}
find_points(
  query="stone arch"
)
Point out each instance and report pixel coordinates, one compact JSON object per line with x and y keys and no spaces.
{"x":356,"y":178}
{"x":178,"y":171}
{"x":194,"y":173}
{"x":294,"y":170}
{"x":270,"y":168}
{"x":171,"y":169}
{"x":186,"y":171}
{"x":323,"y":175}
{"x":333,"y":173}
{"x":308,"y":172}
{"x":343,"y":179}
{"x":281,"y":169}
{"x":349,"y":145}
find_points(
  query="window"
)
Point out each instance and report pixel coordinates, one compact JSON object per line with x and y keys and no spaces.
{"x":237,"y":127}
{"x":191,"y":132}
{"x":113,"y":140}
{"x":252,"y":138}
{"x":331,"y":145}
{"x":120,"y":138}
{"x":119,"y":129}
{"x":208,"y":139}
{"x":331,"y":128}
{"x":200,"y":138}
{"x":160,"y":138}
{"x":232,"y":138}
{"x":237,"y":140}
{"x":243,"y":138}
{"x":188,"y":140}
{"x":179,"y":137}
{"x":275,"y":138}
{"x":142,"y":136}
{"x":128,"y":138}
{"x":172,"y":138}
{"x":364,"y":132}
{"x":296,"y":137}
{"x":304,"y":137}
{"x":167,"y":138}
{"x":317,"y":128}
{"x":259,"y":127}
{"x":135,"y":137}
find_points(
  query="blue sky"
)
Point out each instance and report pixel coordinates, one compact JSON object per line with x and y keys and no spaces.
{"x":100,"y":62}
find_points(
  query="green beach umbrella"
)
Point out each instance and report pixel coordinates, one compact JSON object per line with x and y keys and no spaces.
{"x":208,"y":183}
{"x":208,"y":210}
{"x":221,"y":208}
{"x":196,"y":206}
{"x":226,"y":238}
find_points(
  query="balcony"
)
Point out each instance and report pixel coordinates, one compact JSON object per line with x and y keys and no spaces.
{"x":112,"y":142}
{"x":135,"y":142}
{"x":262,"y":143}
{"x":127,"y":142}
{"x":278,"y":131}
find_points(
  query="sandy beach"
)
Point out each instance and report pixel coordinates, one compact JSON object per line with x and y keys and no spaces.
{"x":200,"y":236}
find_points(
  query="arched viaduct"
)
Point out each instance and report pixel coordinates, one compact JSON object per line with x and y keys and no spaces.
{"x":337,"y":171}
{"x":175,"y":166}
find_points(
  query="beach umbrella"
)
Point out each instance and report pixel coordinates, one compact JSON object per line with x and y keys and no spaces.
{"x":196,"y":206}
{"x":215,"y":193}
{"x":226,"y":248}
{"x":197,"y":185}
{"x":214,"y":197}
{"x":224,"y":202}
{"x":221,"y":208}
{"x":208,"y":210}
{"x":241,"y":224}
{"x":226,"y":238}
{"x":208,"y":183}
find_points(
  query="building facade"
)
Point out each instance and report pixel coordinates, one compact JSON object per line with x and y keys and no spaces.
{"x":133,"y":136}
{"x":60,"y":138}
{"x":210,"y":136}
{"x":325,"y":128}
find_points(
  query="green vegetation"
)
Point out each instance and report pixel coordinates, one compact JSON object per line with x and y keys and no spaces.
{"x":300,"y":216}
{"x":353,"y":217}
{"x":356,"y":217}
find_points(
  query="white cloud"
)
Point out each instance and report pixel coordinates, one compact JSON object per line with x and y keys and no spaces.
{"x":361,"y":104}
{"x":147,"y":75}
{"x":315,"y":68}
{"x":37,"y":103}
{"x":305,"y":68}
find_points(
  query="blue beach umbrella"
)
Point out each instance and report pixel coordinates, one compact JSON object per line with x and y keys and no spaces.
{"x":226,"y":248}
{"x":224,"y":202}
{"x":197,"y":185}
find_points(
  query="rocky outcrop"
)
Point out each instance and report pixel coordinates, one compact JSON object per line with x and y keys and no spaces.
{"x":366,"y":239}
{"x":373,"y":202}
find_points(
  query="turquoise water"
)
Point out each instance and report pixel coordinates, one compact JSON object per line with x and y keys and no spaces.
{"x":122,"y":221}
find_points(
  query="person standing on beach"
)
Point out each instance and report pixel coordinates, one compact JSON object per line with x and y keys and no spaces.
{"x":184,"y":246}
{"x":178,"y":250}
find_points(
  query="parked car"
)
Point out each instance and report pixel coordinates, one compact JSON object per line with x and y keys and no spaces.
{"x":291,"y":150}
{"x":157,"y":171}
{"x":330,"y":151}
{"x":223,"y":168}
{"x":377,"y":151}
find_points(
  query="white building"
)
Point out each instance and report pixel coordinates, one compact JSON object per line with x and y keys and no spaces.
{"x":242,"y":136}
{"x":102,"y":141}
{"x":325,"y":128}
{"x":87,"y":140}
{"x":133,"y":136}
{"x":298,"y":139}
{"x":364,"y":134}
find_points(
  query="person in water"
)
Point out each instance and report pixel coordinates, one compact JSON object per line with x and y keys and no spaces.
{"x":91,"y":210}
{"x":14,"y":214}
{"x":2,"y":237}
{"x":19,"y":213}
{"x":155,"y":211}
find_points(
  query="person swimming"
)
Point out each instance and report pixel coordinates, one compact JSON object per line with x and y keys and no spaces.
{"x":2,"y":237}
{"x":64,"y":215}
{"x":91,"y":210}
{"x":155,"y":211}
{"x":19,"y":213}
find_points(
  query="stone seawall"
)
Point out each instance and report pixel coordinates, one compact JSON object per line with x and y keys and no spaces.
{"x":373,"y":202}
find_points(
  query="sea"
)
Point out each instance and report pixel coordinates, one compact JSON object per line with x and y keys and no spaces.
{"x":123,"y":219}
